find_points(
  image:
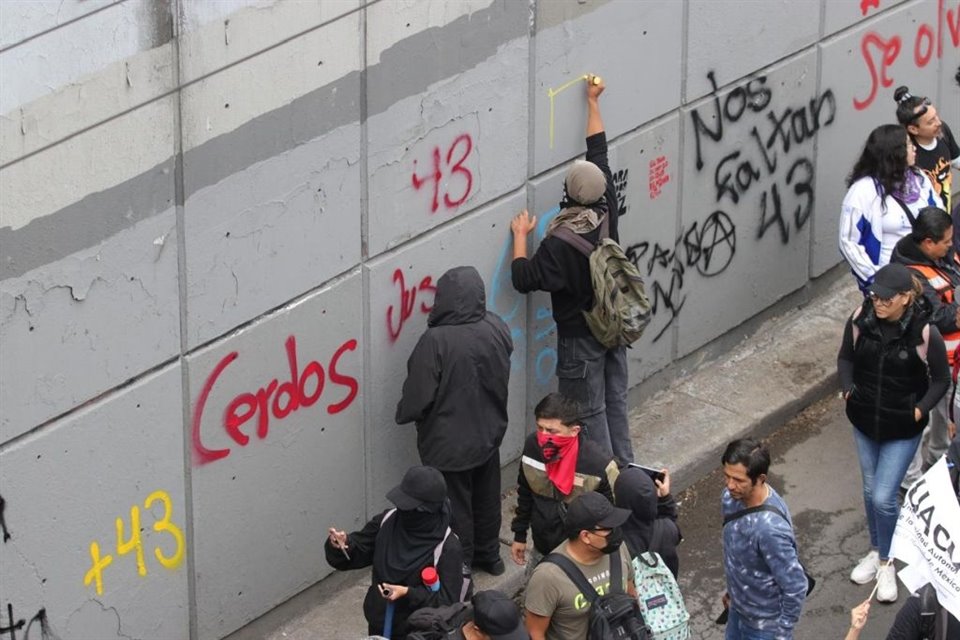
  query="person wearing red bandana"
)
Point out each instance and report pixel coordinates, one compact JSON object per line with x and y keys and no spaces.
{"x":557,"y":465}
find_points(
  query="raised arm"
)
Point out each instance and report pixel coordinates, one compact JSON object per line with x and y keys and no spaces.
{"x":595,"y":87}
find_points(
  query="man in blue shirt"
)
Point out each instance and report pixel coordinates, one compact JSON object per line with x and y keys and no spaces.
{"x":766,"y":584}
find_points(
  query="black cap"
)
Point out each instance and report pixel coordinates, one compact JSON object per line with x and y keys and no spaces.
{"x":497,"y":616}
{"x":593,"y":511}
{"x":890,"y":280}
{"x":420,"y":485}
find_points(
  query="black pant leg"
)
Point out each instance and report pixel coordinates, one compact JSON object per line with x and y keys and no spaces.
{"x":486,"y":510}
{"x":460,"y":492}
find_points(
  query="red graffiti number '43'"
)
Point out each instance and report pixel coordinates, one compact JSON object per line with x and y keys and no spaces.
{"x":460,"y":149}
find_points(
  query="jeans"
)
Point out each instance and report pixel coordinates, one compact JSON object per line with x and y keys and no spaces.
{"x":935,"y":441}
{"x":737,"y":629}
{"x":882,"y":466}
{"x":596,"y":377}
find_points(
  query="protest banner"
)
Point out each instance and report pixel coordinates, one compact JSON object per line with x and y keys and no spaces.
{"x":927,"y":536}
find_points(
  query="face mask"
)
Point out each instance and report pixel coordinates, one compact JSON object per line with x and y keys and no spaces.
{"x":553,"y":446}
{"x":614,"y":540}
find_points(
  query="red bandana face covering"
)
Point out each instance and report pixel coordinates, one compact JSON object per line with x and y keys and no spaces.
{"x":560,"y":454}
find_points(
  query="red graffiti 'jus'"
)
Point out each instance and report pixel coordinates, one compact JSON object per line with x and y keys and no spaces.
{"x":278,"y":399}
{"x":455,"y":168}
{"x":408,"y":298}
{"x":926,"y":42}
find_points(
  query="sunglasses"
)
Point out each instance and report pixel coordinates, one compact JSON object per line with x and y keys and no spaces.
{"x":883,"y":301}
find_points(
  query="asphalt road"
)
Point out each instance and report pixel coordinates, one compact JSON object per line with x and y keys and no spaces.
{"x":815,"y":468}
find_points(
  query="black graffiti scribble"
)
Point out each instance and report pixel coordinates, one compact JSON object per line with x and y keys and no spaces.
{"x":620,"y":184}
{"x":775,"y":135}
{"x":3,"y":521}
{"x":709,"y":248}
{"x":800,"y":215}
{"x":40,"y":618}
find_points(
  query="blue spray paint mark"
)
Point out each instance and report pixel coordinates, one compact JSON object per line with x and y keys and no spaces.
{"x":505,"y":302}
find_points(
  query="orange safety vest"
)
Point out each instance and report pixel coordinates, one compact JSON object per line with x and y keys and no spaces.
{"x":941,"y":284}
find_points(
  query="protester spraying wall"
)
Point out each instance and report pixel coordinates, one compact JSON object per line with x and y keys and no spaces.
{"x":221,"y":226}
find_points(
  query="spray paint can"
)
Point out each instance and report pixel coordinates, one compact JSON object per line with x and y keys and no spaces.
{"x":430,"y":579}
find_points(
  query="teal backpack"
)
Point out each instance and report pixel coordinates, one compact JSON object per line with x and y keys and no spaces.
{"x":660,"y":599}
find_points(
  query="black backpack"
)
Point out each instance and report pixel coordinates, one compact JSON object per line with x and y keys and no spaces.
{"x":933,"y":617}
{"x":614,"y":615}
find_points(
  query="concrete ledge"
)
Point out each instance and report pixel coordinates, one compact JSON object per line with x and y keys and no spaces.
{"x":786,"y":362}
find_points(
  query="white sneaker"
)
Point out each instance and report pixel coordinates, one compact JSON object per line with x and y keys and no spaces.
{"x":887,"y":583}
{"x":866,"y":569}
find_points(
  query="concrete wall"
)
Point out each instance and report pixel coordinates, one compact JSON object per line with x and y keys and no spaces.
{"x":222,"y":223}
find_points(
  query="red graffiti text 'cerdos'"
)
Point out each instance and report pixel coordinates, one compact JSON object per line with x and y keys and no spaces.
{"x":276,"y":399}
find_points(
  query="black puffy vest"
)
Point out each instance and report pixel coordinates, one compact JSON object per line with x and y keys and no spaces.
{"x":889,"y":378}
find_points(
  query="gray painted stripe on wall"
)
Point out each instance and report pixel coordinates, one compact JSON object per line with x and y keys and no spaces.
{"x":407,"y":68}
{"x":86,"y":223}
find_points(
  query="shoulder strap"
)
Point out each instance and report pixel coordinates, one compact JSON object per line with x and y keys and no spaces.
{"x":575,"y":240}
{"x":746,"y":512}
{"x":387,"y":515}
{"x":906,"y":210}
{"x":439,"y":549}
{"x":576,"y":576}
{"x":616,"y":572}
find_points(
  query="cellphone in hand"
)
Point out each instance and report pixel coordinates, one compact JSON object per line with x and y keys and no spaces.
{"x":655,"y":474}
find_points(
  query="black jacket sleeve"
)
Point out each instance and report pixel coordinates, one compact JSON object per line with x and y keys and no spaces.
{"x":423,"y":379}
{"x":360,"y":546}
{"x":543,"y":272}
{"x":845,"y":358}
{"x":906,"y":626}
{"x":939,"y":371}
{"x":521,"y":520}
{"x":667,"y":507}
{"x":944,"y":316}
{"x":597,"y":154}
{"x":450,"y":570}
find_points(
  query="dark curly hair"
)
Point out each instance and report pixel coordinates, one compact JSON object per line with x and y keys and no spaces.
{"x":884,"y":158}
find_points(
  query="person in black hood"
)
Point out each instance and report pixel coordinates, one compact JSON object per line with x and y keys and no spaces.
{"x":928,"y":252}
{"x":399,"y":544}
{"x":652,"y":525}
{"x":456,"y":393}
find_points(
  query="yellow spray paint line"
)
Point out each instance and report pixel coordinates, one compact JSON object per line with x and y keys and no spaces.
{"x":552,"y":93}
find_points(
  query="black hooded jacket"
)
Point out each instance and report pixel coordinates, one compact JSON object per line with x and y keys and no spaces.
{"x":652,"y":525}
{"x":943,"y":315}
{"x":457,"y":377}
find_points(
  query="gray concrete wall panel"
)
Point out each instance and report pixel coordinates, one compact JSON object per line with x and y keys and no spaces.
{"x":286,"y":181}
{"x":277,"y":450}
{"x":401,"y":286}
{"x":457,"y":145}
{"x":855,"y":66}
{"x":758,"y":194}
{"x":646,"y":171}
{"x":271,"y":232}
{"x":840,"y":14}
{"x":95,"y":512}
{"x":88,"y":322}
{"x":750,"y":35}
{"x":636,"y":47}
{"x":70,"y":52}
